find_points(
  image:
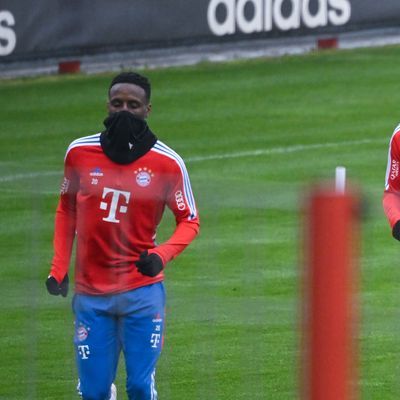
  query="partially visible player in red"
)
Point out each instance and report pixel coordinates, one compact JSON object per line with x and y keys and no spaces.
{"x":116,"y":186}
{"x":391,"y":196}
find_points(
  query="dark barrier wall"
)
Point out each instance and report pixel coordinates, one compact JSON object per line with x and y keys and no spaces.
{"x":42,"y":28}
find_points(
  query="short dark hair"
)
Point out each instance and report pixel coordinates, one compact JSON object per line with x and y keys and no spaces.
{"x":135,"y":79}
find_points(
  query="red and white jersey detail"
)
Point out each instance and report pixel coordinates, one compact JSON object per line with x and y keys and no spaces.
{"x":391,"y":196}
{"x":392,"y":181}
{"x":92,"y":140}
{"x":114,"y":211}
{"x":187,"y":193}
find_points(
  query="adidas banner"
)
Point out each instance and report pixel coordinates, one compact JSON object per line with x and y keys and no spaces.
{"x":50,"y":28}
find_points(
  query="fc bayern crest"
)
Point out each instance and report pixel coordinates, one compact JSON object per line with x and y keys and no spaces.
{"x":81,"y":333}
{"x":143,"y":176}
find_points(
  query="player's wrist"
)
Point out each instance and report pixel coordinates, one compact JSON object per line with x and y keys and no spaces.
{"x":159,"y":254}
{"x":149,"y":264}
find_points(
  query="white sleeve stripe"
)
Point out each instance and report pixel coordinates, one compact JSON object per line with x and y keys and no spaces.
{"x":90,"y":137}
{"x":92,"y":140}
{"x":388,"y":166}
{"x":188,"y":189}
{"x":161,"y":148}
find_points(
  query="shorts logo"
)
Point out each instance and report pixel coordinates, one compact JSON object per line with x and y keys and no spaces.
{"x":143,"y":176}
{"x":83,"y":351}
{"x":82,"y":333}
{"x":157,"y":319}
{"x":155,"y":340}
{"x":156,"y":336}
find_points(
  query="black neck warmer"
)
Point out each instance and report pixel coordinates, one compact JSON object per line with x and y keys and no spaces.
{"x":126,"y":137}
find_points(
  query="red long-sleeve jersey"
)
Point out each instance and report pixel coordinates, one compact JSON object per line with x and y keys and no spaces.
{"x":114,"y":211}
{"x":391,"y":196}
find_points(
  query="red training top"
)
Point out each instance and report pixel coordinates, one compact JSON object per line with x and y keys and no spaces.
{"x":114,"y":211}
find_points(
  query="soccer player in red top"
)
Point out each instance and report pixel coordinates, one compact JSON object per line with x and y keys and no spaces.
{"x":391,"y":196}
{"x":116,"y":186}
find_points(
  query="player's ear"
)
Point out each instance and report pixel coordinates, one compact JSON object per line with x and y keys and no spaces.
{"x":148,"y":110}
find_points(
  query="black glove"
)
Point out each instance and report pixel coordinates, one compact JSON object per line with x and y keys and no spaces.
{"x":54,"y":288}
{"x":149,"y":264}
{"x":396,"y":230}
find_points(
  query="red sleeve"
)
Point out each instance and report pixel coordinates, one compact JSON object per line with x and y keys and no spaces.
{"x":391,"y":206}
{"x":65,"y":223}
{"x":181,"y":202}
{"x":391,"y":196}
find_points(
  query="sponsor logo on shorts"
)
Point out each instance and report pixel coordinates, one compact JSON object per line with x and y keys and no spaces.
{"x":81,"y":333}
{"x":156,"y":336}
{"x":84,"y":351}
{"x":155,"y":340}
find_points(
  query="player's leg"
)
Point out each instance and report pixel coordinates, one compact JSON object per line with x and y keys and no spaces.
{"x":96,"y":345}
{"x":113,"y":391}
{"x":142,"y":338}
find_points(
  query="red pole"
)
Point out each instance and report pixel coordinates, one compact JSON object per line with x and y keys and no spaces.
{"x":330,"y":318}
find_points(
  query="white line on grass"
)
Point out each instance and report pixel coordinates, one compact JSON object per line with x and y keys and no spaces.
{"x":29,"y":191}
{"x":28,"y":175}
{"x":280,"y":150}
{"x":224,"y":156}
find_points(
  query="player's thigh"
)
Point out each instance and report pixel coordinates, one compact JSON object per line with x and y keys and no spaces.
{"x":142,"y":330}
{"x":96,"y":342}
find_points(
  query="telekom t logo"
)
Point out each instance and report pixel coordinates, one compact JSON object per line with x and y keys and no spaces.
{"x":115,"y":202}
{"x":84,"y":351}
{"x":155,"y":339}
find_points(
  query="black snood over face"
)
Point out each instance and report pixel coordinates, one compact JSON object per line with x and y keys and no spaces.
{"x":126,"y":138}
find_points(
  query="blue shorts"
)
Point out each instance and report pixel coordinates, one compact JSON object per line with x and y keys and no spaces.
{"x":104,"y":325}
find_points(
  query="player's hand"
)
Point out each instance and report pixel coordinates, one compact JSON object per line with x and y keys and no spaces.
{"x":149,"y":264}
{"x":396,"y":230}
{"x":55,"y":288}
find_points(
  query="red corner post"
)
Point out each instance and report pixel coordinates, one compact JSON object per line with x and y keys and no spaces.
{"x":330,"y":318}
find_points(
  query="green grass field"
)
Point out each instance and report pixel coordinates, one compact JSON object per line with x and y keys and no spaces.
{"x":254,"y":135}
